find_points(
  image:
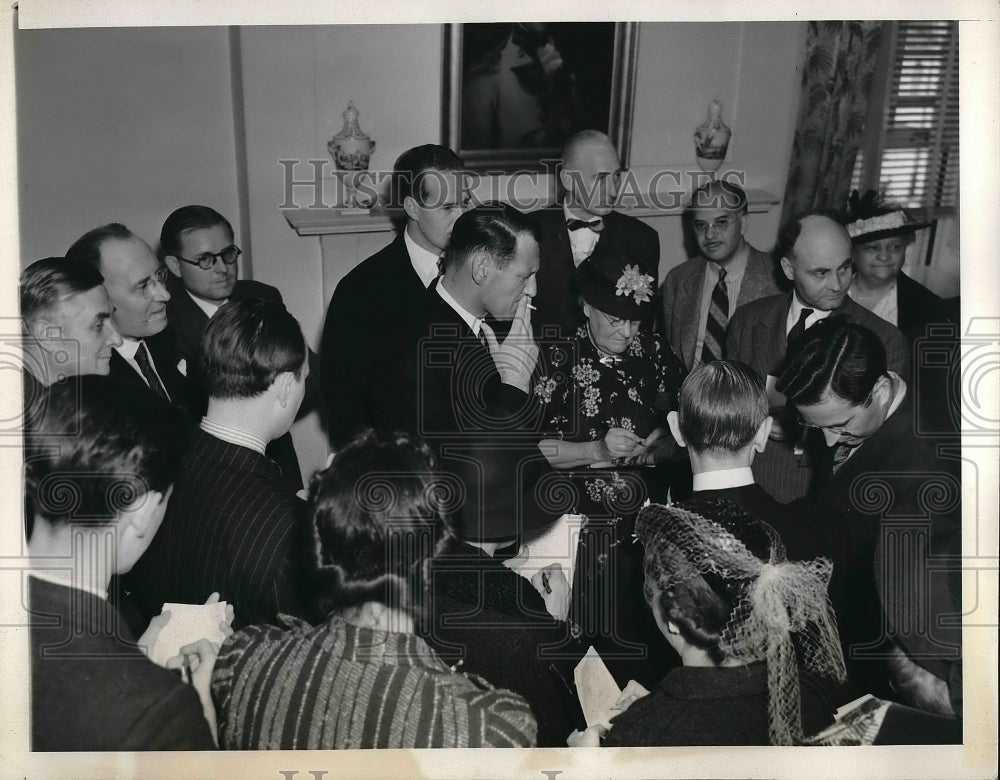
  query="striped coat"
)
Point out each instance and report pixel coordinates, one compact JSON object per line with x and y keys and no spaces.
{"x":335,"y":686}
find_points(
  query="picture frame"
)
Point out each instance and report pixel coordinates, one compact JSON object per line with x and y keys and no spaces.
{"x":514,"y":92}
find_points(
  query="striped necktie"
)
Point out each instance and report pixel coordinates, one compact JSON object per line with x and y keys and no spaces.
{"x":840,"y":455}
{"x":148,"y":372}
{"x":718,"y":319}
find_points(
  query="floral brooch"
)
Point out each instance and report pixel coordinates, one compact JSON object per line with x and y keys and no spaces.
{"x":635,"y":283}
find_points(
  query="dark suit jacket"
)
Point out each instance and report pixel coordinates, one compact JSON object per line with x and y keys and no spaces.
{"x":756,"y":336}
{"x":892,"y":511}
{"x":234,"y":526}
{"x":917,"y":308}
{"x":682,"y":291}
{"x":795,"y":528}
{"x":443,"y":386}
{"x":556,"y":299}
{"x":494,"y":621}
{"x":93,"y":689}
{"x":163,"y":350}
{"x":378,"y":303}
{"x":188,"y":322}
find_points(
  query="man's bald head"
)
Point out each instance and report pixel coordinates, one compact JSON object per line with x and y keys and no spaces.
{"x":815,"y":252}
{"x":590,"y":172}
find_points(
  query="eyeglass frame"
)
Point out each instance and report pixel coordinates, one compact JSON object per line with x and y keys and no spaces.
{"x":701,"y":226}
{"x":158,"y":277}
{"x":216,"y":256}
{"x":841,"y":430}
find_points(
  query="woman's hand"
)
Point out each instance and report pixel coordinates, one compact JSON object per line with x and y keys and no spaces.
{"x":199,"y":657}
{"x":552,"y":585}
{"x":617,"y":443}
{"x":589,"y":737}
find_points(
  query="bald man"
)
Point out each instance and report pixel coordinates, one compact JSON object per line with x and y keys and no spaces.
{"x":815,"y":252}
{"x":585,"y":224}
{"x":701,"y":294}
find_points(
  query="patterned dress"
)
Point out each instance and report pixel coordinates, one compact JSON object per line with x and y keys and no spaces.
{"x":585,"y":393}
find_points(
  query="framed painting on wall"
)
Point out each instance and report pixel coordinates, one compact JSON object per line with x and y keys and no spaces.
{"x":514,"y":92}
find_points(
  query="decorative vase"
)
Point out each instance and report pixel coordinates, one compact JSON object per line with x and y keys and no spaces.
{"x":351,"y":149}
{"x":711,"y":139}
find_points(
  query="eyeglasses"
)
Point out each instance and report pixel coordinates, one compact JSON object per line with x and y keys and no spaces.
{"x":721,"y":224}
{"x":158,"y":277}
{"x":615,"y":322}
{"x":206,"y":260}
{"x":841,"y":430}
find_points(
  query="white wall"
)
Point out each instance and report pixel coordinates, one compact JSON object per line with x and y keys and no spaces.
{"x":121,"y":125}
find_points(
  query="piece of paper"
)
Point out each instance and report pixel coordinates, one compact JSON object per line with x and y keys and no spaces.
{"x":188,"y":623}
{"x":597,"y":689}
{"x":557,"y":545}
{"x":775,"y":400}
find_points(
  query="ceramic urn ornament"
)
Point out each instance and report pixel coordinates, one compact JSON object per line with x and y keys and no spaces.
{"x":351,"y":150}
{"x":711,"y":139}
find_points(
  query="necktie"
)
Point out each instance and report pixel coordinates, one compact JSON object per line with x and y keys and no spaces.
{"x":840,"y":455}
{"x":597,"y":225}
{"x":798,"y":329}
{"x":718,"y":319}
{"x":483,"y":327}
{"x":146,"y":367}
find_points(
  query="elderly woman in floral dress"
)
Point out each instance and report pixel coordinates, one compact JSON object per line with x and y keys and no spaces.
{"x":606,"y":397}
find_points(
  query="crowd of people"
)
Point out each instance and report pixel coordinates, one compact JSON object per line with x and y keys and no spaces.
{"x":766,"y":528}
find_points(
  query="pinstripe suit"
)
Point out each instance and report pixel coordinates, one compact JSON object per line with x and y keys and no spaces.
{"x":756,"y":336}
{"x":233,"y":526}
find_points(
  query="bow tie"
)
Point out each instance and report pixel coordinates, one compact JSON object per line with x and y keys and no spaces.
{"x":596,"y":225}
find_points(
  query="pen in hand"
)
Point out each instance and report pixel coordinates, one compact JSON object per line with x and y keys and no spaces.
{"x":185,"y":669}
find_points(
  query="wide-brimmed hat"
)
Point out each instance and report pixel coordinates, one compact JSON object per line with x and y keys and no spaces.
{"x":869,"y":219}
{"x":617,"y":287}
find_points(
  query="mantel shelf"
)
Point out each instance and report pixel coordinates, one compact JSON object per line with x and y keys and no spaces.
{"x":336,"y":221}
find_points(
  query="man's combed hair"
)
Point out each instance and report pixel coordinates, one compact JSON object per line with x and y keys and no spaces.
{"x":46,"y":282}
{"x":87,"y":248}
{"x":719,"y":194}
{"x":113,"y":442}
{"x":492,"y":228}
{"x":246,"y":345}
{"x":845,"y":358}
{"x":378,"y":518}
{"x":186,"y":219}
{"x":721,"y":406}
{"x":414,"y":166}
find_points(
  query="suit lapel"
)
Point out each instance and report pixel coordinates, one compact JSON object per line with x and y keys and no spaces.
{"x":689,"y":291}
{"x":769,"y":331}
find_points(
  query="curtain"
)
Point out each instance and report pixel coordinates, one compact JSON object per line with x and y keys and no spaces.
{"x":837,"y":78}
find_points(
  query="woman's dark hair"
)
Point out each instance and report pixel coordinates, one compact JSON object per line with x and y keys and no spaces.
{"x":699,"y":603}
{"x":378,"y":519}
{"x":845,"y":358}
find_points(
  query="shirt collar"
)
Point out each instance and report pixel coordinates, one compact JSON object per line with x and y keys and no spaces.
{"x":723,"y":478}
{"x":795,"y":310}
{"x":209,"y":307}
{"x":233,"y":435}
{"x":736,"y":267}
{"x":129,"y":347}
{"x":475,"y":323}
{"x":424,"y":262}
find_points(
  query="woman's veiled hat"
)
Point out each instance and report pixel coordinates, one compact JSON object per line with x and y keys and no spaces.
{"x":869,"y":219}
{"x":612,"y":284}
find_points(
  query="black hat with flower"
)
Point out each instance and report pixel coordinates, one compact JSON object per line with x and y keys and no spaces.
{"x":869,"y":218}
{"x":617,"y":287}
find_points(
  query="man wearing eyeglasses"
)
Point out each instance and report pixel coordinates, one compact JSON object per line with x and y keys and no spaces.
{"x":702,"y":293}
{"x":199,"y":249}
{"x":589,"y":178}
{"x":815,"y":253}
{"x":136,"y":285}
{"x":889,"y":516}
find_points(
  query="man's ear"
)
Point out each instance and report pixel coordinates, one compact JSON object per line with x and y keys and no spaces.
{"x":789,"y":268}
{"x":565,"y":179}
{"x":140,"y":521}
{"x":760,"y":439}
{"x":882,"y":391}
{"x":173,"y":265}
{"x":410,"y":206}
{"x":482,"y":263}
{"x":43,"y":330}
{"x":744,"y":221}
{"x":283,"y":386}
{"x":673,"y":422}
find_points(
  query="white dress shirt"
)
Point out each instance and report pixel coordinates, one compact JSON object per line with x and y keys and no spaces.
{"x":582,"y":241}
{"x":735,"y":272}
{"x":795,"y":310}
{"x":424,"y":262}
{"x":209,"y":307}
{"x":233,"y":435}
{"x":128,"y":349}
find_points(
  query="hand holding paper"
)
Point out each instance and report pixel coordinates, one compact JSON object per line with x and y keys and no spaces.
{"x":187,"y":623}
